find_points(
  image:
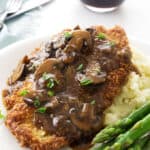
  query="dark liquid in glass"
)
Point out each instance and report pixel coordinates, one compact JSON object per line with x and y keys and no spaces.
{"x":103,"y":3}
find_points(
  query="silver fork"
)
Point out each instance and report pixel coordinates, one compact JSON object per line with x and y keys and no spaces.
{"x":12,"y":6}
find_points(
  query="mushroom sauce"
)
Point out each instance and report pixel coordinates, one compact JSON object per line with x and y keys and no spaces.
{"x":70,"y":76}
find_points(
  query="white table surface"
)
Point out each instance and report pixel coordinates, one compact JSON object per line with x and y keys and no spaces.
{"x":133,"y":15}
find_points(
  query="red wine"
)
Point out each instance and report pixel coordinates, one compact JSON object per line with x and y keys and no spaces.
{"x":103,"y":3}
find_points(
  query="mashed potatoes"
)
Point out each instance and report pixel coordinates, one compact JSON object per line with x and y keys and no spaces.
{"x":134,"y":94}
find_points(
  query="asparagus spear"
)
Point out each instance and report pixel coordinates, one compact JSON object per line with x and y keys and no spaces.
{"x":140,"y":143}
{"x":122,"y":125}
{"x":147,"y":146}
{"x":99,"y":146}
{"x":128,"y":138}
{"x":102,"y":146}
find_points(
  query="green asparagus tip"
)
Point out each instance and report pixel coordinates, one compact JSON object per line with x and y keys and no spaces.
{"x":116,"y":146}
{"x":96,"y":139}
{"x":129,"y":142}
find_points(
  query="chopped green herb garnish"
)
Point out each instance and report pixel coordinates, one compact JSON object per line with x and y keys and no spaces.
{"x":50,"y":93}
{"x":41,"y":110}
{"x":80,"y":67}
{"x":101,"y":36}
{"x":1,"y":115}
{"x":93,"y":102}
{"x":56,"y":81}
{"x":85,"y":82}
{"x":67,"y":35}
{"x":50,"y":83}
{"x":32,"y":67}
{"x":37,"y":103}
{"x":45,"y":76}
{"x":23,"y":92}
{"x":112,"y":43}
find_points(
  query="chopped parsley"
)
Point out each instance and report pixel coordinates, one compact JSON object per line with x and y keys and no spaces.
{"x":80,"y":67}
{"x":67,"y":35}
{"x":85,"y":82}
{"x":93,"y":102}
{"x":32,"y":67}
{"x":23,"y":92}
{"x":37,"y":102}
{"x":50,"y":93}
{"x":112,"y":43}
{"x":41,"y":110}
{"x":101,"y":36}
{"x":45,"y":76}
{"x":51,"y":83}
{"x":1,"y":115}
{"x":56,"y":81}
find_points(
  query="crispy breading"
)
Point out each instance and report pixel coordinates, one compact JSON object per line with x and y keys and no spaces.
{"x":19,"y":121}
{"x":20,"y":116}
{"x":116,"y":34}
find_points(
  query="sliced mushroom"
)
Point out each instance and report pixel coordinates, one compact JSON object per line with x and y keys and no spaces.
{"x":77,"y":27}
{"x":79,"y":37}
{"x":82,"y":119}
{"x":17,"y":73}
{"x":28,"y":101}
{"x":85,"y":120}
{"x":80,"y":123}
{"x":88,"y":111}
{"x":77,"y":40}
{"x":47,"y":66}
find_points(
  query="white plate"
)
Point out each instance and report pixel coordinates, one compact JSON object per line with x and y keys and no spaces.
{"x":8,"y":60}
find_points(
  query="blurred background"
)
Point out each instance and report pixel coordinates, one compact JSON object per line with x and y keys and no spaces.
{"x":51,"y":18}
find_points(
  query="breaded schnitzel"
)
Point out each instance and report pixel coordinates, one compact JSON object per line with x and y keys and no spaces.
{"x":58,"y":93}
